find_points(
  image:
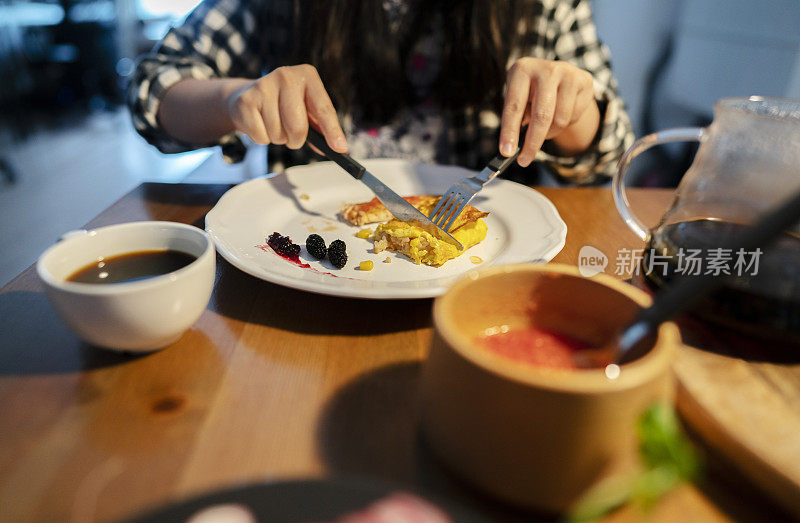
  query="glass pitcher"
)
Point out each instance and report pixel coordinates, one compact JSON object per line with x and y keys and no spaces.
{"x":748,"y":162}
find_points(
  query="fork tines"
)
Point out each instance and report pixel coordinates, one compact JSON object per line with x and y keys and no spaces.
{"x":448,"y":208}
{"x":450,"y":205}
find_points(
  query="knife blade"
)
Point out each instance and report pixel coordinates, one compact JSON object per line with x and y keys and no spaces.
{"x":400,"y":208}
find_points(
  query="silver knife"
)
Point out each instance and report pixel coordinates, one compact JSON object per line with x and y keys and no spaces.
{"x":400,"y":209}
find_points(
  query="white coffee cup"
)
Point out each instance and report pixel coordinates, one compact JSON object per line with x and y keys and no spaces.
{"x":140,"y":315}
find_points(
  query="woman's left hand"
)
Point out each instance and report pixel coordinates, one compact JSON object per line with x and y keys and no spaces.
{"x":556,"y":100}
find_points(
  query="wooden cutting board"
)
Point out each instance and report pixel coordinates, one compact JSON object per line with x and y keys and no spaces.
{"x":743,"y":398}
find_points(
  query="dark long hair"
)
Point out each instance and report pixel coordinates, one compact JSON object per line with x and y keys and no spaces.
{"x":363,"y":63}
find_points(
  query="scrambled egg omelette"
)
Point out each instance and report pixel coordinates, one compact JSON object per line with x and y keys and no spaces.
{"x":423,"y":247}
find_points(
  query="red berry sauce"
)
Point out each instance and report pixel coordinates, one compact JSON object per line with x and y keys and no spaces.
{"x":535,"y":346}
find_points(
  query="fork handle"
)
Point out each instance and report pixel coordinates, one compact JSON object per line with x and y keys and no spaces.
{"x":497,"y":165}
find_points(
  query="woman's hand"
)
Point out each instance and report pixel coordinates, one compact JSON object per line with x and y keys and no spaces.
{"x":277,"y":108}
{"x":557,"y":102}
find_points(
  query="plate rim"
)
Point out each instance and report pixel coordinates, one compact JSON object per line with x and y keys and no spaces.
{"x":227,"y":251}
{"x":343,"y":484}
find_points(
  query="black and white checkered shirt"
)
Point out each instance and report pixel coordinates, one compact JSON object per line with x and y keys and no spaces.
{"x":240,"y":38}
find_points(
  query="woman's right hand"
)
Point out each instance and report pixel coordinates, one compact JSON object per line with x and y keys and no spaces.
{"x":277,"y":108}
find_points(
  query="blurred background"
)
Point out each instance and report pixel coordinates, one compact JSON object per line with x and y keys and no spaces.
{"x":68,"y":149}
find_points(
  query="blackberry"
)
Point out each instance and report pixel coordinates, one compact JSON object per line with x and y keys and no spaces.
{"x":315,"y":246}
{"x":283,"y":245}
{"x":337,"y":245}
{"x":337,"y":253}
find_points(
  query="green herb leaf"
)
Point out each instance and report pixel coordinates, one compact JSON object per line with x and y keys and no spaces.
{"x":652,"y":484}
{"x":668,"y":458}
{"x":602,"y":499}
{"x":662,"y":443}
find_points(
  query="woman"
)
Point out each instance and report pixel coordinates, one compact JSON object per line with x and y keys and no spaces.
{"x":446,"y":81}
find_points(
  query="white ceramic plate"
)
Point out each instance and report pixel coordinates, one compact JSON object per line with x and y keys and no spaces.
{"x":524,"y":226}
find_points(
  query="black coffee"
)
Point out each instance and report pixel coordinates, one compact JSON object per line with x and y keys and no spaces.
{"x":132,"y":266}
{"x":765,"y":302}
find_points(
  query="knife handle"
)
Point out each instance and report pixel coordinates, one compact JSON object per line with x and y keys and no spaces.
{"x":344,"y":161}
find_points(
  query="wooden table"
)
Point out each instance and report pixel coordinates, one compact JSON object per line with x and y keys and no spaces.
{"x":270,"y":383}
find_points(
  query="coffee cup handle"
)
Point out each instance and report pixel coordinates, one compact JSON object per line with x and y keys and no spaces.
{"x":679,"y":134}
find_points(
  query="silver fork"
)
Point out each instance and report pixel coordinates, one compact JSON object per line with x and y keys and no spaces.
{"x":460,"y":193}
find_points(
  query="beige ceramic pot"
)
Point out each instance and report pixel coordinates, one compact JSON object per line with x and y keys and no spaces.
{"x":531,"y":436}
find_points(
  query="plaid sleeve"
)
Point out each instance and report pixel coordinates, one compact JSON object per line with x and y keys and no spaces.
{"x":577,"y":42}
{"x":217,"y":39}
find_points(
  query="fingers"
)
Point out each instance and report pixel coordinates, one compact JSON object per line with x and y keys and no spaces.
{"x":514,"y":109}
{"x":253,"y":126}
{"x":526,"y":117}
{"x":247,"y":118}
{"x":270,"y":113}
{"x":294,"y":117}
{"x":278,"y":107}
{"x":548,"y":96}
{"x":543,"y":105}
{"x":321,"y":112}
{"x":565,"y":107}
{"x":583,"y":100}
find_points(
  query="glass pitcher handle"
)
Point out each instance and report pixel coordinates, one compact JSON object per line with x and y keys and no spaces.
{"x":679,"y":134}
